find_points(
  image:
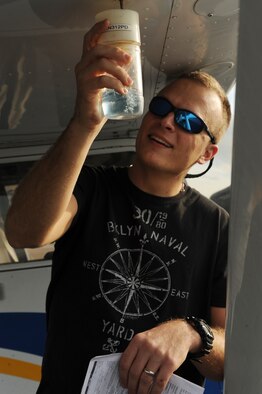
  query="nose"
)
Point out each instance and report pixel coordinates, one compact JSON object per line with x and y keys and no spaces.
{"x":168,"y":121}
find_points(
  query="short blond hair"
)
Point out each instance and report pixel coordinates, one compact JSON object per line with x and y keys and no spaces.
{"x":210,"y":82}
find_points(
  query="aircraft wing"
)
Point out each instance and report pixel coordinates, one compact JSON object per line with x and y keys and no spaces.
{"x":41,"y":41}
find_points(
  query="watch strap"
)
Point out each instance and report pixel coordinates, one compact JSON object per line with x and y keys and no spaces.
{"x":206,"y":335}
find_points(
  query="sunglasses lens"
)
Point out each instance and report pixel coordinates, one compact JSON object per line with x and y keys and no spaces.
{"x":160,"y":106}
{"x":189,"y":121}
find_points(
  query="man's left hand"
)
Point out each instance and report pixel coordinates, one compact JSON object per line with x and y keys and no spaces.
{"x":160,"y":350}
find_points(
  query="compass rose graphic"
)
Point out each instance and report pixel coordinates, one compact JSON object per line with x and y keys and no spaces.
{"x":134,"y":282}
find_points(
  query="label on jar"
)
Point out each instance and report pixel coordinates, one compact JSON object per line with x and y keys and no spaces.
{"x":120,"y":27}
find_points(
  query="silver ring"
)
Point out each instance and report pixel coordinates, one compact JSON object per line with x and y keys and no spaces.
{"x":148,"y":372}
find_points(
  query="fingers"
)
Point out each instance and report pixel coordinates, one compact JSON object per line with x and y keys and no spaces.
{"x":105,"y":61}
{"x":160,"y":380}
{"x":146,"y":376}
{"x":152,"y":357}
{"x":142,"y":375}
{"x":126,"y":361}
{"x":113,"y":54}
{"x":142,"y":371}
{"x":92,"y":36}
{"x":117,"y":55}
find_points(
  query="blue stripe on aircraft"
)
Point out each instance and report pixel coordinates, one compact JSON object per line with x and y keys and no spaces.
{"x":24,"y":332}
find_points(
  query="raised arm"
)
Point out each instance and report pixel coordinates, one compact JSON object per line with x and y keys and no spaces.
{"x":43,"y":206}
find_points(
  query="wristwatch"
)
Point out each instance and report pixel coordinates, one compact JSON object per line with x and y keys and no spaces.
{"x":206,"y":335}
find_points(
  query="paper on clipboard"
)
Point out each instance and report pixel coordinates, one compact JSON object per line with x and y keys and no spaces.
{"x":102,"y":378}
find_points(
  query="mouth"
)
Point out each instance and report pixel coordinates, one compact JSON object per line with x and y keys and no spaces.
{"x":160,"y":141}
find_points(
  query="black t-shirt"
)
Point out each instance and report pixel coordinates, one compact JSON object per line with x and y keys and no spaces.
{"x":129,"y":261}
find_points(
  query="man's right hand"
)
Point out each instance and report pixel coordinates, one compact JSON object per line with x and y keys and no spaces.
{"x":101,"y":66}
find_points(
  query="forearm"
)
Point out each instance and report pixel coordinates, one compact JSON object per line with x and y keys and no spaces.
{"x":212,"y":365}
{"x":43,"y":196}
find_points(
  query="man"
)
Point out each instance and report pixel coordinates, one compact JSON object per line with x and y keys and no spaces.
{"x":140,"y":256}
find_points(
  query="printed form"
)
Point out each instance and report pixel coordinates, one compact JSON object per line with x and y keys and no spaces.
{"x":102,"y":378}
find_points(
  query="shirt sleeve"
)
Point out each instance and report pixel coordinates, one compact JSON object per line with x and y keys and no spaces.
{"x":84,"y":189}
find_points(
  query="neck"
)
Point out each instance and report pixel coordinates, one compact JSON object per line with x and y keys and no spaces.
{"x":156,"y":183}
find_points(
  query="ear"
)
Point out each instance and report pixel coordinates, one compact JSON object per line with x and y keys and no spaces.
{"x":210,"y":152}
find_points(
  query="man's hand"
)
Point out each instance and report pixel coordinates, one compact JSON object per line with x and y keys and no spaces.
{"x":101,"y":66}
{"x":161,"y":350}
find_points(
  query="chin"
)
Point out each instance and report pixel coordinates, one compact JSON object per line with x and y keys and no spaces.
{"x":152,"y":164}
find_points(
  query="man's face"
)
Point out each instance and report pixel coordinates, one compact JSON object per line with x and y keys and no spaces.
{"x":162,"y":145}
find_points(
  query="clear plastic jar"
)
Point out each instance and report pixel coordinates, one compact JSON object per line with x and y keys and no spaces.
{"x":124,"y":33}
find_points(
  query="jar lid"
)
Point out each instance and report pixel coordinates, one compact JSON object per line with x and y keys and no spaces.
{"x":124,"y":25}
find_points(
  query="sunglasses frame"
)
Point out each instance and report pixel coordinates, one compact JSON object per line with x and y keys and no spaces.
{"x":175,"y":109}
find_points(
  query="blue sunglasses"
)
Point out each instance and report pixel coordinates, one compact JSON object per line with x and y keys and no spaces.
{"x":185,"y":119}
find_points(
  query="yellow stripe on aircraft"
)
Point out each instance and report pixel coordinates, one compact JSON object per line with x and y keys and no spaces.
{"x":21,"y":369}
